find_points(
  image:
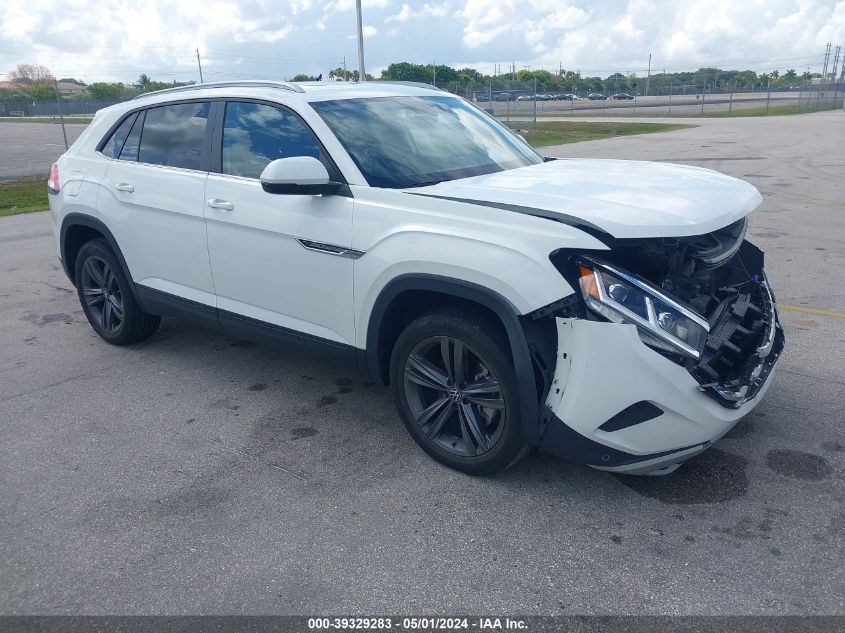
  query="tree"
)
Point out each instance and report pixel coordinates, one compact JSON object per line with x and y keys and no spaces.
{"x":30,"y":74}
{"x":44,"y":91}
{"x":303,"y":77}
{"x":404,"y":71}
{"x":143,"y":82}
{"x":101,"y":91}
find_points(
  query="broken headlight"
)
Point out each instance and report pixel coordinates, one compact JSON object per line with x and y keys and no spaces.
{"x":662,"y":322}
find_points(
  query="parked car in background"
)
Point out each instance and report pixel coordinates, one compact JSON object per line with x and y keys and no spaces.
{"x":504,"y":96}
{"x":596,"y":96}
{"x":622,"y":96}
{"x":611,"y":312}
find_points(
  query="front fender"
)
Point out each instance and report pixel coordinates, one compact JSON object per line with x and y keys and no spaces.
{"x":369,"y":361}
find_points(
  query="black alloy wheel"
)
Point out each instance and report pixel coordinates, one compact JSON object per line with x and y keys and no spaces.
{"x":454,"y":397}
{"x":105,"y":293}
{"x":102,"y":295}
{"x":454,"y":383}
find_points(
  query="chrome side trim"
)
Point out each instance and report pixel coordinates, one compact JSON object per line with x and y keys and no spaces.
{"x":330,"y":249}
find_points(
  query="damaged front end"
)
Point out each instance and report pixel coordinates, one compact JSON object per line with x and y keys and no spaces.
{"x":705,"y":330}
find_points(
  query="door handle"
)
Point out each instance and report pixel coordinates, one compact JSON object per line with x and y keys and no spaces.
{"x":124,"y":186}
{"x":217,"y":203}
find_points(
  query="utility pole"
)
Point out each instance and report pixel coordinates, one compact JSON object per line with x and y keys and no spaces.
{"x":362,"y":76}
{"x":835,"y":63}
{"x":648,"y":77}
{"x":199,"y":64}
{"x":824,"y":68}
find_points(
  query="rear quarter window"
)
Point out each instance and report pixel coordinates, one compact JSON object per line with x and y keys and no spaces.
{"x":115,"y":142}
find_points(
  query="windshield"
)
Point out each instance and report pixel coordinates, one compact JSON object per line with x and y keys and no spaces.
{"x":417,"y":141}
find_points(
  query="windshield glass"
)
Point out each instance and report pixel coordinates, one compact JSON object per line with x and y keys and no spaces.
{"x":417,"y":141}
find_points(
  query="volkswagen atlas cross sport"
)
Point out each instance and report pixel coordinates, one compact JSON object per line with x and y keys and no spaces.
{"x":608,"y":311}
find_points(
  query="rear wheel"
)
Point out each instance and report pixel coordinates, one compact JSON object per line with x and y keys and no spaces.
{"x":453,"y":381}
{"x":107,"y":299}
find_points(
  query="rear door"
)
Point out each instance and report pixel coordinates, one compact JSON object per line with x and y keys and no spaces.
{"x":153,"y":198}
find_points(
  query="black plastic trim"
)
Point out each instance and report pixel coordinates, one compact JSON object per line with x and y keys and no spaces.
{"x":80,"y":219}
{"x":240,"y":326}
{"x":561,"y":440}
{"x":166,"y":304}
{"x":294,"y":189}
{"x":236,"y":325}
{"x":637,"y":413}
{"x":368,"y":360}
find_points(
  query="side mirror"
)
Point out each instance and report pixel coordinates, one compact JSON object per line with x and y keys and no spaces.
{"x":298,"y":175}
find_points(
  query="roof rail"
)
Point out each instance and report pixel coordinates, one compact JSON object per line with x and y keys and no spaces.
{"x":417,"y":84}
{"x":283,"y":85}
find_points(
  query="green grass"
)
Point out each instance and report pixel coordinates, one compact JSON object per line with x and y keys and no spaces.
{"x":761,"y":111}
{"x":561,"y":132}
{"x":23,"y":197}
{"x":46,"y":119}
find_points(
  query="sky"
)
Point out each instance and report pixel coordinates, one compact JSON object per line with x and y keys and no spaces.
{"x":116,"y":40}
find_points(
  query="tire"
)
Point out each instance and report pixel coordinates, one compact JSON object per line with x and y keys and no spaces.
{"x":107,"y":299}
{"x":463,"y":414}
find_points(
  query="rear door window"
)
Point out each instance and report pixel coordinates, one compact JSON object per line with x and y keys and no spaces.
{"x":174,"y":135}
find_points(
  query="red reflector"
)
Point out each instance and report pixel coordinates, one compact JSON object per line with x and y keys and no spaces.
{"x":53,"y":180}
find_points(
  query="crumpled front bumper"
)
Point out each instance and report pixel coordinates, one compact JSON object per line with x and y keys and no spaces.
{"x":618,"y":405}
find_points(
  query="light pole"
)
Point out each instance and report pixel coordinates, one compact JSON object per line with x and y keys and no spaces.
{"x":362,"y":76}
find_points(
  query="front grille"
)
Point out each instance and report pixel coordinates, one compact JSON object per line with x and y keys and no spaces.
{"x":744,"y":342}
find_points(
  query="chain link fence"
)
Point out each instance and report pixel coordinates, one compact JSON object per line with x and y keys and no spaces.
{"x":34,"y":134}
{"x":524,"y":102}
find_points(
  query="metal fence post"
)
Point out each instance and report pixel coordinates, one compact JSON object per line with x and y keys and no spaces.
{"x":703,"y":93}
{"x":508,"y":102}
{"x":768,"y":96}
{"x":669,"y":113}
{"x":61,"y":116}
{"x":731,"y":104}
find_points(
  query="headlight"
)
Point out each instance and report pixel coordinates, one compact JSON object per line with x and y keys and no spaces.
{"x":662,"y":322}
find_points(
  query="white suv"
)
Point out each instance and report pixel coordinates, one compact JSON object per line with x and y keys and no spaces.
{"x":610,"y":312}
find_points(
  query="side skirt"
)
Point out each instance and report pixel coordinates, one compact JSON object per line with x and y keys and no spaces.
{"x":239,"y":326}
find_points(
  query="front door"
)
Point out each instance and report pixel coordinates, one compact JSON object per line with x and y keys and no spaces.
{"x":271,"y":255}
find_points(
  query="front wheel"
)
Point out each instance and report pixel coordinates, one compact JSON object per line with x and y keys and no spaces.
{"x":453,"y":380}
{"x":107,"y":299}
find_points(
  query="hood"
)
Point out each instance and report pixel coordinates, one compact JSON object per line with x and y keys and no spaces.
{"x":623,"y":198}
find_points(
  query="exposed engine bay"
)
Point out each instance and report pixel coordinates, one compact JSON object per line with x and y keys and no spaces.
{"x":720,"y":277}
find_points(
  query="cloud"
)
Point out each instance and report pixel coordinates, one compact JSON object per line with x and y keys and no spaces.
{"x":278,"y":38}
{"x":368,"y":31}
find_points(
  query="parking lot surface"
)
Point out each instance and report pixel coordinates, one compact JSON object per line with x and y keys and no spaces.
{"x":28,"y":149}
{"x":198,"y":474}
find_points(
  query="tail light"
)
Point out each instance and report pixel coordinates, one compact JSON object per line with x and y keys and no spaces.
{"x":53,"y":180}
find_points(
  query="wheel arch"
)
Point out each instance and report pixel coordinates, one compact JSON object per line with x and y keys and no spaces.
{"x":76,"y":230}
{"x":383,"y":329}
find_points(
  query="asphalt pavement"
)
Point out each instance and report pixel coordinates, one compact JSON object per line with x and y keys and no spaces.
{"x":197,"y":474}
